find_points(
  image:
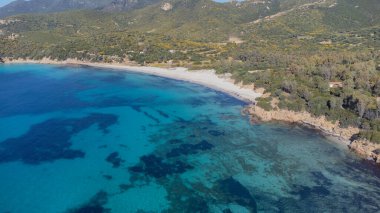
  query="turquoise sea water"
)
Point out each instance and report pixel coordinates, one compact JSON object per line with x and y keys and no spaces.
{"x":80,"y":139}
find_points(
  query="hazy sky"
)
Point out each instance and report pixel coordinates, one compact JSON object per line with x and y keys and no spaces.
{"x":4,"y":2}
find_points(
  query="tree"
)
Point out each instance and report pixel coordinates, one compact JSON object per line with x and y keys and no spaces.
{"x":376,"y":88}
{"x":289,"y":86}
{"x":362,"y":103}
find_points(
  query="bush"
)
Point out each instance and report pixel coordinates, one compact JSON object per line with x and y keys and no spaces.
{"x":264,"y":103}
{"x":372,"y":135}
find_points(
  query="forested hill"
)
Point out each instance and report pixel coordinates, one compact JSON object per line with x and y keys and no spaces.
{"x":295,"y":49}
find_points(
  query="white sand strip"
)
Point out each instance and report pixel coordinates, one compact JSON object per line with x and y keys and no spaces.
{"x":206,"y":78}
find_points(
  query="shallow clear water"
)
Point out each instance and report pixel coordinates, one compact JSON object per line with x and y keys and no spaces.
{"x":76,"y":139}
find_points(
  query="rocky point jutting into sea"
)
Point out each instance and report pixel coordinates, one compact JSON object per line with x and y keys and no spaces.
{"x":363,"y":148}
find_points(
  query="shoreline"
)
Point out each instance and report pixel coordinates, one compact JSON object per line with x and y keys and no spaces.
{"x":363,"y":148}
{"x":210,"y":79}
{"x":320,"y":124}
{"x":207,"y":78}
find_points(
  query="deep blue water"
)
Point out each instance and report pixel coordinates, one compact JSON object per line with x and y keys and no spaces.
{"x":77,"y":139}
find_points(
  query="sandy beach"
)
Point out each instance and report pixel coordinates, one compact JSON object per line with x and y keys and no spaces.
{"x":206,"y":78}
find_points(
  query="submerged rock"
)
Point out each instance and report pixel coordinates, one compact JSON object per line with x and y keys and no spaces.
{"x":155,"y":167}
{"x":124,"y":187}
{"x":152,"y":117}
{"x":114,"y":159}
{"x":305,"y":192}
{"x":95,"y":205}
{"x":187,"y":149}
{"x":234,"y":191}
{"x":163,"y":114}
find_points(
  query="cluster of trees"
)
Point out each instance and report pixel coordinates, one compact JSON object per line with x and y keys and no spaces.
{"x":143,"y":48}
{"x":301,"y":81}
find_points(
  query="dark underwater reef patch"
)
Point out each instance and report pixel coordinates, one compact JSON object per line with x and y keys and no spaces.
{"x":235,"y":192}
{"x":124,"y":187}
{"x":197,"y":204}
{"x":50,"y":140}
{"x":163,"y":114}
{"x":137,"y":108}
{"x":152,"y":117}
{"x":187,"y":149}
{"x":175,"y":141}
{"x":114,"y":159}
{"x":305,"y":192}
{"x":154,"y":166}
{"x":197,"y":198}
{"x":187,"y":198}
{"x":308,"y":197}
{"x":320,"y":179}
{"x":95,"y":205}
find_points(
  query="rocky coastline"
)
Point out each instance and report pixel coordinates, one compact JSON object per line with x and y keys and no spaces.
{"x":362,"y":148}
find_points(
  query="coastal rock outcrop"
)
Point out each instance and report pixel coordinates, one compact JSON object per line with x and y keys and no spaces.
{"x":305,"y":118}
{"x":366,"y":149}
{"x":363,"y":148}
